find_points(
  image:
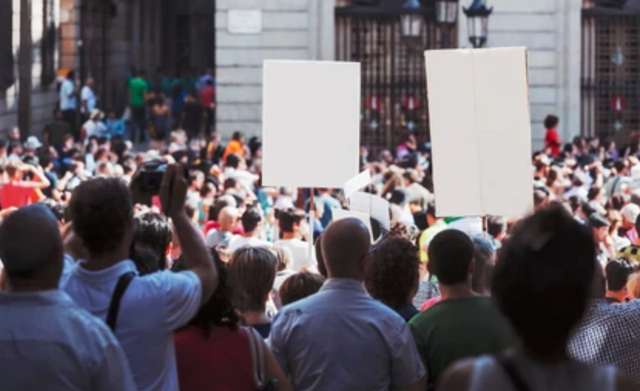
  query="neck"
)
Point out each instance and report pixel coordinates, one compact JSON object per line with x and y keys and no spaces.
{"x":554,"y":357}
{"x":458,"y":291}
{"x":288,"y":235}
{"x":255,"y":317}
{"x":620,"y":296}
{"x":104,"y":261}
{"x":249,"y":234}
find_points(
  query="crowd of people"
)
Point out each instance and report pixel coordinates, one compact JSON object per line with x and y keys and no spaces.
{"x":168,"y":266}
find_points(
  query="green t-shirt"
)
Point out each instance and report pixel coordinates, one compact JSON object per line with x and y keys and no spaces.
{"x":137,"y":89}
{"x":455,"y":329}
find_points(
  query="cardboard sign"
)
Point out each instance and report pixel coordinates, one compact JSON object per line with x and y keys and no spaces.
{"x":480,"y":131}
{"x":374,"y":206}
{"x":357,"y":183}
{"x":311,"y":123}
{"x":340,"y":214}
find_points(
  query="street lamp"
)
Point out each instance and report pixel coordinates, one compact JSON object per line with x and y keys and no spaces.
{"x":446,"y":11}
{"x":412,"y":22}
{"x":478,"y":22}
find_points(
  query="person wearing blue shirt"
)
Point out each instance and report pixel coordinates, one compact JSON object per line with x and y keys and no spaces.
{"x":371,"y":347}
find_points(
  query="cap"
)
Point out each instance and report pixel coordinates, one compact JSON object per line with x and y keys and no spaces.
{"x":32,"y":143}
{"x":630,"y":212}
{"x":597,"y":221}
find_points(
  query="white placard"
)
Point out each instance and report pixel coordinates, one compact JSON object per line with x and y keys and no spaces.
{"x":480,"y":131}
{"x":311,"y":123}
{"x":357,"y":183}
{"x":372,"y":205}
{"x":341,"y":214}
{"x":244,"y":21}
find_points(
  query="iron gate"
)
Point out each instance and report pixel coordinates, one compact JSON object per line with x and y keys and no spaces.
{"x":394,"y":97}
{"x":610,"y":73}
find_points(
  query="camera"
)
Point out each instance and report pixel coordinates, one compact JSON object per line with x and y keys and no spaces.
{"x":150,"y":177}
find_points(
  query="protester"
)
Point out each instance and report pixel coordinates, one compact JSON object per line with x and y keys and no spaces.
{"x":207,"y":99}
{"x":192,"y":112}
{"x":54,"y":132}
{"x":138,"y":90}
{"x":222,"y":236}
{"x":18,"y":191}
{"x":300,"y":285}
{"x":75,"y":351}
{"x":632,"y":251}
{"x":151,"y":307}
{"x":235,"y":146}
{"x":88,"y":98}
{"x":252,"y":272}
{"x":151,"y":242}
{"x":463,"y":324}
{"x":392,"y":275}
{"x":497,"y":229}
{"x":252,"y":224}
{"x":290,"y":228}
{"x":67,"y":99}
{"x":541,"y":284}
{"x":552,"y":141}
{"x":381,"y":353}
{"x":213,"y":350}
{"x":617,"y":273}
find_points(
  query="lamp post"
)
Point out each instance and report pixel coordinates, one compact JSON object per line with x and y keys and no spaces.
{"x":412,"y":22}
{"x":446,"y":18}
{"x":478,"y":22}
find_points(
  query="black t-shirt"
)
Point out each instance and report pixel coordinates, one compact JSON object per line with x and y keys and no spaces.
{"x":192,"y":112}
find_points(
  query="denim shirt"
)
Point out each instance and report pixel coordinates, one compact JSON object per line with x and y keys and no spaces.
{"x":342,"y":339}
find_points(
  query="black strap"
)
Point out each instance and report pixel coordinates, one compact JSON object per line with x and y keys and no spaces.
{"x":116,"y":298}
{"x":506,"y":363}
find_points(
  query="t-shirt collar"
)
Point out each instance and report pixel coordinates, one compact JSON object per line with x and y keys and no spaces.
{"x":109,"y":274}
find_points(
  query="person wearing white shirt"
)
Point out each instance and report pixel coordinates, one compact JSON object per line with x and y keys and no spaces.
{"x":304,"y":257}
{"x":68,"y":104}
{"x":153,"y":306}
{"x":252,"y":224}
{"x":47,"y":341}
{"x":89,"y":101}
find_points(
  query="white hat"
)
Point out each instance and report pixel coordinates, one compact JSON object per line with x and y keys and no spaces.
{"x":630,"y":212}
{"x":32,"y":143}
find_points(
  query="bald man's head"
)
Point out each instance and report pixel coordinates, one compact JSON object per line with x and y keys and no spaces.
{"x":228,"y":218}
{"x":344,"y":247}
{"x":31,"y":245}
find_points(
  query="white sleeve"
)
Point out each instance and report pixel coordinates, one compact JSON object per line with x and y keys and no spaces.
{"x":182,"y":297}
{"x":85,"y":93}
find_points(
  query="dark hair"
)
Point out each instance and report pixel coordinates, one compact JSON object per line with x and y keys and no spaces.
{"x":101,"y":210}
{"x":551,"y":121}
{"x":496,"y":225}
{"x":288,"y":218}
{"x":431,"y":209}
{"x":44,"y":158}
{"x":230,"y":183}
{"x":299,"y":286}
{"x":250,"y":220}
{"x":539,"y":197}
{"x":219,"y":311}
{"x":190,"y":210}
{"x":252,"y":272}
{"x":593,"y":192}
{"x":233,"y":161}
{"x":71,"y":74}
{"x":617,"y":273}
{"x":619,"y":165}
{"x":543,"y":277}
{"x":450,"y":256}
{"x":399,"y":197}
{"x":617,"y":202}
{"x":596,"y":221}
{"x":393,"y":271}
{"x":237,"y":136}
{"x":152,"y":237}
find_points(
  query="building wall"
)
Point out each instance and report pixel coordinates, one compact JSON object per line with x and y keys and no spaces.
{"x":43,"y":98}
{"x":550,"y":29}
{"x":291,"y":29}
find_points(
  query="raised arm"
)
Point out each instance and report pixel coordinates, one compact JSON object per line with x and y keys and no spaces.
{"x":39,"y":181}
{"x":197,"y":257}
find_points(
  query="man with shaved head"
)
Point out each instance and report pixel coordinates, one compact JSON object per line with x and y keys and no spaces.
{"x":48,"y":342}
{"x":341,"y":338}
{"x":228,"y":220}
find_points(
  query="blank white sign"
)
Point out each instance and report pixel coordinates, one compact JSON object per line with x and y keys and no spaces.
{"x":480,"y":131}
{"x":311,"y":123}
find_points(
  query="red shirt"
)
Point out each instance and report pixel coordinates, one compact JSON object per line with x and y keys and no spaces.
{"x":552,"y":142}
{"x":218,"y":362}
{"x":214,"y":225}
{"x":14,"y":194}
{"x":207,"y":96}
